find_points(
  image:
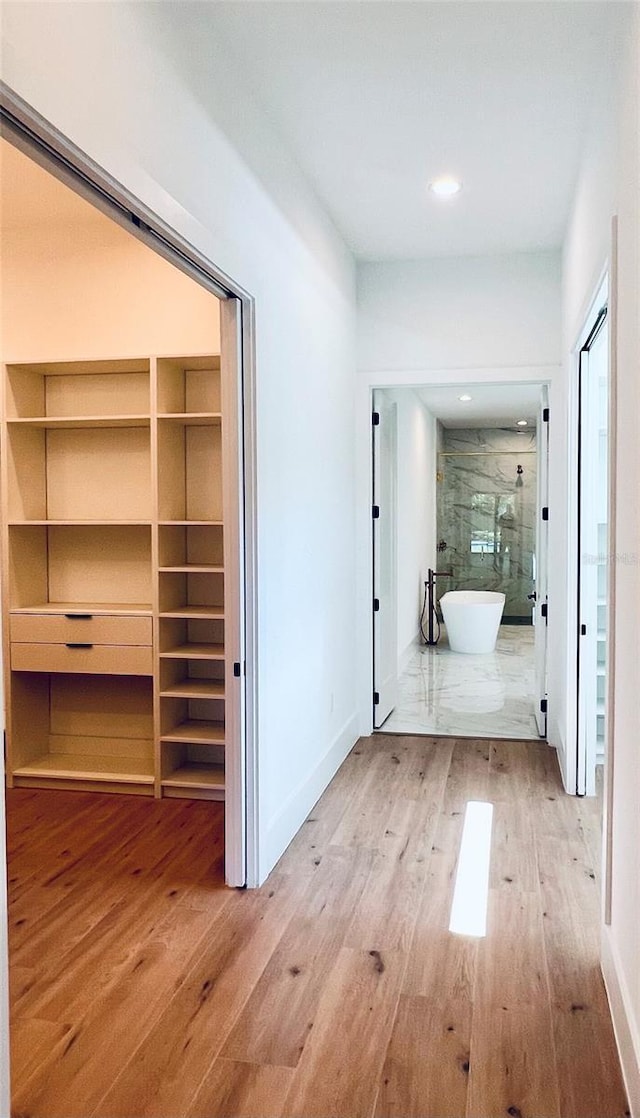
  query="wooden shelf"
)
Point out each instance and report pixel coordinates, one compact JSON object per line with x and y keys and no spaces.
{"x":112,"y":511}
{"x":71,"y":422}
{"x":81,"y":523}
{"x":120,"y":608}
{"x":195,"y":613}
{"x":193,"y":569}
{"x":194,"y":689}
{"x":196,"y":732}
{"x":194,"y":652}
{"x":100,"y":367}
{"x":78,"y":766}
{"x":196,"y":774}
{"x":193,"y":419}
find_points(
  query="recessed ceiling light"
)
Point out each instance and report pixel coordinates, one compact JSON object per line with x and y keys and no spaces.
{"x":522,"y":423}
{"x":465,"y":399}
{"x":445,"y":187}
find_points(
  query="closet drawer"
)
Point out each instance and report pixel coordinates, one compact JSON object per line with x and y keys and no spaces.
{"x":51,"y":628}
{"x":107,"y":659}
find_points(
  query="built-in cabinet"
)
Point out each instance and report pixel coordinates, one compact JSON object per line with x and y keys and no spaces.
{"x":114,"y":575}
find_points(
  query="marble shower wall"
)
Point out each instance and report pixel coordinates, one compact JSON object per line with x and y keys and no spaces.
{"x":486,"y":520}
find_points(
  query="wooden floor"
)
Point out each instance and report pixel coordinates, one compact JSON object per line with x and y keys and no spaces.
{"x":142,"y":987}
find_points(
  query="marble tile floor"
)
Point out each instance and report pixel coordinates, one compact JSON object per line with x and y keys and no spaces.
{"x":445,"y":692}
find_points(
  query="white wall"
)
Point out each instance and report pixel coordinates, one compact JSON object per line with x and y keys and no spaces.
{"x":449,"y":321}
{"x":609,"y":182}
{"x":622,"y":939}
{"x":127,"y":87}
{"x":585,"y":256}
{"x":464,"y":312}
{"x":416,"y":513}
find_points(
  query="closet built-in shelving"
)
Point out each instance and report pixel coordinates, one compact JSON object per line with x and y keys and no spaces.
{"x":114,"y":575}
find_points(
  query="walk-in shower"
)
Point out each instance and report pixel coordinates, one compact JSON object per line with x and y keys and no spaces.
{"x":486,"y":513}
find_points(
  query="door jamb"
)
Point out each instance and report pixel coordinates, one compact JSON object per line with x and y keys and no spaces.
{"x":596,"y":324}
{"x":573,"y":464}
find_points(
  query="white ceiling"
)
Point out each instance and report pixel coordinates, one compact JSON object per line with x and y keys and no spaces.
{"x":374,"y":99}
{"x":491,"y":405}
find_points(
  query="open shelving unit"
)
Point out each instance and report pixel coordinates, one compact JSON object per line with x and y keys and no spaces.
{"x":114,"y":575}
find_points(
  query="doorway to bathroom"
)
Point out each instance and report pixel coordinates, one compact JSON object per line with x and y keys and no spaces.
{"x":459,"y":513}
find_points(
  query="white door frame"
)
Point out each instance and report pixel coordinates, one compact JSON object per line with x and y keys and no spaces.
{"x":384,"y":451}
{"x":572,"y":771}
{"x":366,"y":383}
{"x":541,"y":604}
{"x":40,"y":141}
{"x":587,"y":570}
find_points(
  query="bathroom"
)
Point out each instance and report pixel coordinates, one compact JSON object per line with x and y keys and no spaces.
{"x":472,"y":525}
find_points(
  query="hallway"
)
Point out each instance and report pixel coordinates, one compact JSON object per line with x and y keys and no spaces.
{"x":142,"y":987}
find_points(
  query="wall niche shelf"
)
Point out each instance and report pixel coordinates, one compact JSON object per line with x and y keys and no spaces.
{"x":113,"y":575}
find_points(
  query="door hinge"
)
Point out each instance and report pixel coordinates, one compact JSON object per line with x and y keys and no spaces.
{"x":375,"y":512}
{"x":545,"y":415}
{"x":545,"y":513}
{"x":544,"y":610}
{"x":236,"y":669}
{"x":376,"y":605}
{"x":583,"y":630}
{"x":376,"y":698}
{"x":375,"y":419}
{"x":543,"y":706}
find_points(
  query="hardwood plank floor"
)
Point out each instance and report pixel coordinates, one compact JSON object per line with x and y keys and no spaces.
{"x":143,"y":988}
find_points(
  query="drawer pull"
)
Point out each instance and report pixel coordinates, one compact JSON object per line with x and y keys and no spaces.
{"x":79,"y":616}
{"x":77,"y":644}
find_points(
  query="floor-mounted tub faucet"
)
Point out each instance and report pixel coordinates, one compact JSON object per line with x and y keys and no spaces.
{"x":429,"y":587}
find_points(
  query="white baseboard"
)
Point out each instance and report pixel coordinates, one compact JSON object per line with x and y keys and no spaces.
{"x":626,"y":1029}
{"x":555,"y":739}
{"x":293,"y":813}
{"x":405,"y":657}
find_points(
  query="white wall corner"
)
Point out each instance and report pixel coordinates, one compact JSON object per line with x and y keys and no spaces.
{"x":626,"y":1029}
{"x":286,"y":824}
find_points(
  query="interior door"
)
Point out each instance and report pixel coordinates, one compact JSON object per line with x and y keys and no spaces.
{"x":385,"y":597}
{"x":541,"y":601}
{"x":592,"y":555}
{"x":235,"y":815}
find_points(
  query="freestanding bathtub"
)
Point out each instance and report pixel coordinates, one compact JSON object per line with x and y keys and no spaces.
{"x":472,"y":618}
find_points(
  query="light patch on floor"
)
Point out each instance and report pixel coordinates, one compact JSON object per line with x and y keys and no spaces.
{"x":471,"y":890}
{"x":492,"y":695}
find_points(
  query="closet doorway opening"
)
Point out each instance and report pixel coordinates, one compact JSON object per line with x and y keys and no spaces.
{"x":127,"y":500}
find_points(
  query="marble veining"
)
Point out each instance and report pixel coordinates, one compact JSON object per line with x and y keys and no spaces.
{"x":492,"y":695}
{"x":487,"y":513}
